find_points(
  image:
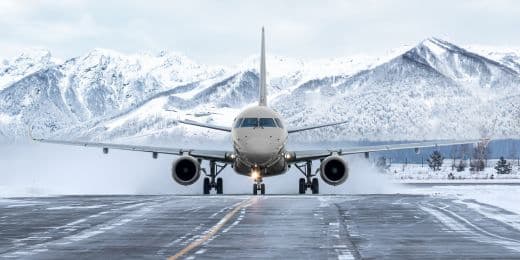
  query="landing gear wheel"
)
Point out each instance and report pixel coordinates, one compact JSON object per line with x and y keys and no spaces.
{"x":315,"y":186}
{"x":220,"y":186}
{"x":302,"y":186}
{"x":255,"y":189}
{"x":262,"y":189}
{"x":206,"y":186}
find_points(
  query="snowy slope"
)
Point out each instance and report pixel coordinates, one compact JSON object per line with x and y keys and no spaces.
{"x":30,"y":61}
{"x":508,"y":56}
{"x":433,"y":90}
{"x":51,"y":96}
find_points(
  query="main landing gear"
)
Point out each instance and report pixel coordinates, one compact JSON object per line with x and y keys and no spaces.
{"x":308,"y":182}
{"x":258,"y":186}
{"x":211,"y":181}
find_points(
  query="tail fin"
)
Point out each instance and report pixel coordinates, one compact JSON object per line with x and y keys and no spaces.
{"x":263,"y":85}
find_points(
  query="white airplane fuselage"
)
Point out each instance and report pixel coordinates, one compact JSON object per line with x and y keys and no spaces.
{"x":259,"y":138}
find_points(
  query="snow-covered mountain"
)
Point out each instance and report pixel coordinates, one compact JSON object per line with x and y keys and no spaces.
{"x":433,"y":90}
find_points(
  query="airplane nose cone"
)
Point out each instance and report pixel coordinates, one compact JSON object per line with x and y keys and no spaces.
{"x":259,"y":150}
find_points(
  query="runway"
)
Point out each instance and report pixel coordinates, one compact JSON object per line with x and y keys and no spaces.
{"x":267,"y":227}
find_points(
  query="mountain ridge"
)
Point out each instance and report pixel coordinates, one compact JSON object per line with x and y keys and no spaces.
{"x":433,"y":90}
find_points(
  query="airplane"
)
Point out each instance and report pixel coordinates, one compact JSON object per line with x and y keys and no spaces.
{"x":259,"y":137}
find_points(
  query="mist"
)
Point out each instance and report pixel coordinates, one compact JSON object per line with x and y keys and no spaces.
{"x":48,"y":169}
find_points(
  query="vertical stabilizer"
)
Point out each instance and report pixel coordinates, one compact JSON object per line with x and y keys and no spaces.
{"x":263,"y":85}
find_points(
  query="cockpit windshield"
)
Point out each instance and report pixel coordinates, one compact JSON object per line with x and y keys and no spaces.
{"x":238,"y":122}
{"x":267,"y":122}
{"x":249,"y":122}
{"x":257,"y":122}
{"x":279,"y":122}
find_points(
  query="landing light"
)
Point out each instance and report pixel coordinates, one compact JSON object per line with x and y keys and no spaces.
{"x":255,"y":174}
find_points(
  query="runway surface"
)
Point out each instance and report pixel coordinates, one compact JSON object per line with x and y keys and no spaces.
{"x":268,"y":227}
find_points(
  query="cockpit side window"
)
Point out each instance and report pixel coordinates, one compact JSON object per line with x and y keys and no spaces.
{"x":267,"y":122}
{"x":279,"y":122}
{"x":249,"y":122}
{"x":238,"y":122}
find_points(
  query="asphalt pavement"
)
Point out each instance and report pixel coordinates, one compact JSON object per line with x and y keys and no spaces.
{"x":266,"y":227}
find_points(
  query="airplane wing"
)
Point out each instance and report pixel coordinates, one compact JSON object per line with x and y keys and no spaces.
{"x":228,"y":129}
{"x":294,"y":130}
{"x":210,"y":126}
{"x":221,"y":156}
{"x":319,"y":154}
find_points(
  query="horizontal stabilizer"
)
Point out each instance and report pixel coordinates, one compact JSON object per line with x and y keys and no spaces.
{"x":210,"y":126}
{"x":313,"y":127}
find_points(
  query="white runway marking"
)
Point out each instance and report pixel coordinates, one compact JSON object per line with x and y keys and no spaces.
{"x":493,"y":212}
{"x":458,"y":223}
{"x":76,"y":207}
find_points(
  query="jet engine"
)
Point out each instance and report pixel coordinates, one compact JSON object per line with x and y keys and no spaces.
{"x":186,"y":170}
{"x":334,"y":170}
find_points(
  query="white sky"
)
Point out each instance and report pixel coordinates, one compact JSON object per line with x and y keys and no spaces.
{"x":227,"y":31}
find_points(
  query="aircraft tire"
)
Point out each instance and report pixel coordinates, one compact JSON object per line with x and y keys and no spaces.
{"x":302,"y":186}
{"x":255,"y":189}
{"x":206,"y":186}
{"x":262,"y":188}
{"x":315,"y":186}
{"x":220,"y":186}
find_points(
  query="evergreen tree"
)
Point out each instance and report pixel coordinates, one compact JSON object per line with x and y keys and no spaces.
{"x":461,"y":166}
{"x":503,"y":167}
{"x":477,"y":165}
{"x":435,"y":161}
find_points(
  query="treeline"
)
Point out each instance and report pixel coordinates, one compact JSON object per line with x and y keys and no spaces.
{"x":507,"y":148}
{"x":461,"y":157}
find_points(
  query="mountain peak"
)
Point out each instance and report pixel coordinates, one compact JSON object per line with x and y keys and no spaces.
{"x":436,"y":46}
{"x":33,"y":56}
{"x":97,"y":52}
{"x":35,"y":53}
{"x":30,"y":61}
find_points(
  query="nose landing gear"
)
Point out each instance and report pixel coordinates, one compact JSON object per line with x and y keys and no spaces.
{"x":258,"y":186}
{"x":211,"y":181}
{"x":310,"y":181}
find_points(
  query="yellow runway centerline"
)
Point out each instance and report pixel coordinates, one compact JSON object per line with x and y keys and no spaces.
{"x":212,"y":231}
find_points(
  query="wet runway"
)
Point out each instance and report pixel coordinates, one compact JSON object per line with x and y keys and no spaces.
{"x":239,"y":227}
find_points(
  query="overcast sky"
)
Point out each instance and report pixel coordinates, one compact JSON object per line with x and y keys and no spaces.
{"x":226,"y":32}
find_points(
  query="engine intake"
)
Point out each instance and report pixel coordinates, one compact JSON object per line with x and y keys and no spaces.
{"x":186,"y":170}
{"x":334,"y":170}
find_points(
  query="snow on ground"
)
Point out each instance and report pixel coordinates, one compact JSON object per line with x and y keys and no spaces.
{"x":502,"y":196}
{"x":422,"y":173}
{"x":470,"y":188}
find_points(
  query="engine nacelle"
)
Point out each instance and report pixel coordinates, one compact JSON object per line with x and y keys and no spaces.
{"x":334,"y":170}
{"x":186,"y":170}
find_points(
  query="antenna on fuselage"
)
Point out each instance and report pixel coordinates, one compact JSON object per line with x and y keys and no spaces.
{"x":263,"y":84}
